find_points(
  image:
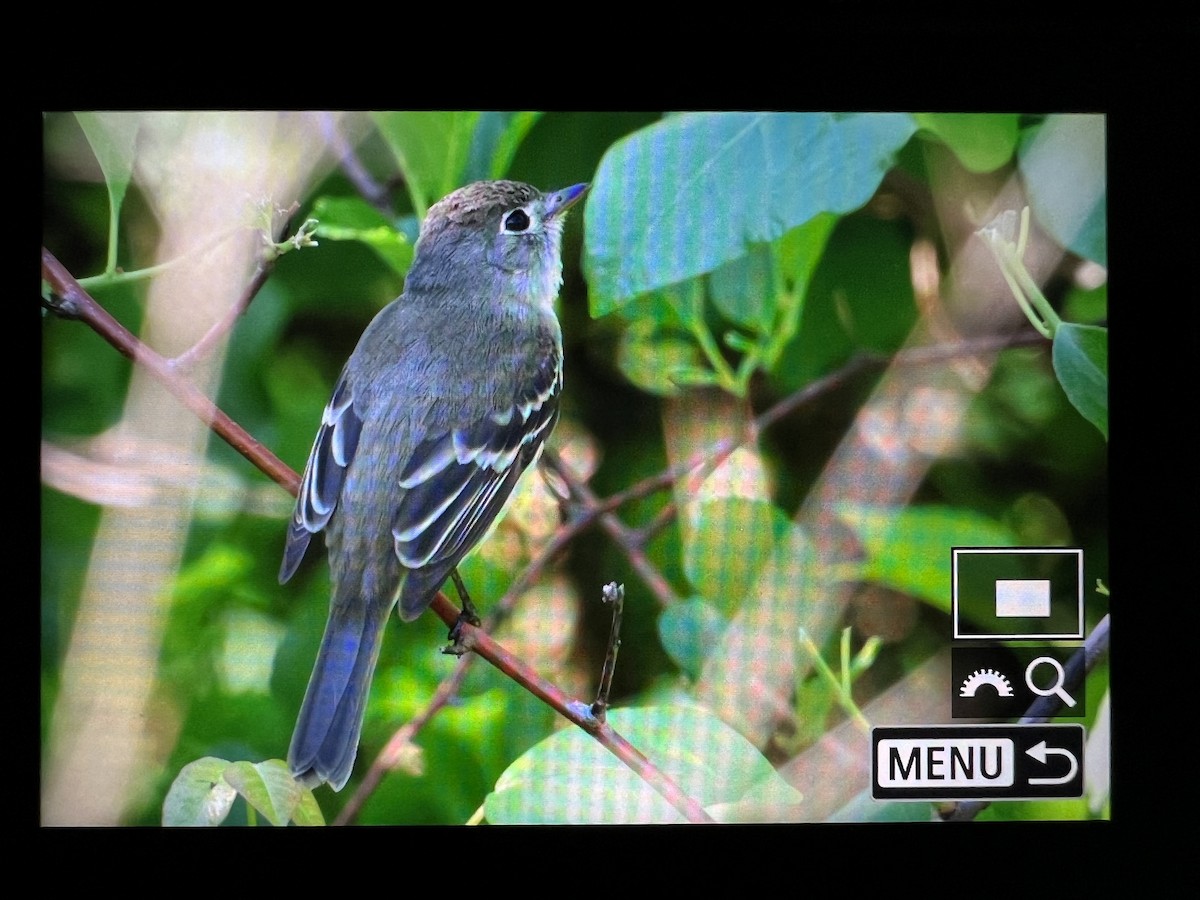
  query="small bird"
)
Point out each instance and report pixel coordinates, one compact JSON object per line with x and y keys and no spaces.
{"x":445,"y":402}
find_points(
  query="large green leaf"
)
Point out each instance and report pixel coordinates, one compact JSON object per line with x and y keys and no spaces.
{"x":431,"y":149}
{"x":1064,"y":169}
{"x":693,"y":191}
{"x":1081,"y":363}
{"x":732,"y":540}
{"x":909,"y":549}
{"x":569,"y":778}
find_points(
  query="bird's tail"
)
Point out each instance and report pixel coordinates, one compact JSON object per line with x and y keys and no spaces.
{"x":325,"y":741}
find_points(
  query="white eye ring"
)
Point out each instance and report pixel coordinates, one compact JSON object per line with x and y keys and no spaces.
{"x":522,"y":224}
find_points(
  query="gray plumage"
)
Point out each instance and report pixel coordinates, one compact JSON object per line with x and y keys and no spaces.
{"x":447,"y":399}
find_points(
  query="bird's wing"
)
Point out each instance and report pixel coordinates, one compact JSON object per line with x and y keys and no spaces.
{"x":332,"y":452}
{"x":456,"y":483}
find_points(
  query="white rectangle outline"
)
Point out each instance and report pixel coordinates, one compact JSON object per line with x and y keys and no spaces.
{"x":1015,"y":636}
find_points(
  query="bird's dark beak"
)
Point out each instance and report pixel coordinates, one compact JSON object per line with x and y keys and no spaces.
{"x":560,"y":201}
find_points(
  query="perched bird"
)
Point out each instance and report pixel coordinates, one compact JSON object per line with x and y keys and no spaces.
{"x":447,"y":399}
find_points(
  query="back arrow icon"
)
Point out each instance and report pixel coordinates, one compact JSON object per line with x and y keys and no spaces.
{"x":1041,"y":752}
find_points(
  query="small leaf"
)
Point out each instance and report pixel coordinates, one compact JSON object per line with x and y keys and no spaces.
{"x":1080,"y":357}
{"x":112,"y":137}
{"x":307,"y":811}
{"x":983,"y":142}
{"x":656,"y":362}
{"x":199,"y":795}
{"x":688,"y":630}
{"x":267,"y":786}
{"x":353,"y":219}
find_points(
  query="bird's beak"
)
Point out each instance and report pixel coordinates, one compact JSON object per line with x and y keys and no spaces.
{"x":560,"y":201}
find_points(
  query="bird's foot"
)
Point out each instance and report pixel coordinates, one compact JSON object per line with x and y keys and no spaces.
{"x":460,"y":643}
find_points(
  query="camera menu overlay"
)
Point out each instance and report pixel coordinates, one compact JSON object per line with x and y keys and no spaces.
{"x":1016,"y":612}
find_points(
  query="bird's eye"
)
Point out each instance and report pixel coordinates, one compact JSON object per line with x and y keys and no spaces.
{"x":517,"y":220}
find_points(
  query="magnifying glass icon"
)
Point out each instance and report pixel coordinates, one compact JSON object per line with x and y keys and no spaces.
{"x":1056,"y":686}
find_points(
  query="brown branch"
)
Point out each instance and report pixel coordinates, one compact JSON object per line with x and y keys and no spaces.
{"x":70,"y":300}
{"x":630,"y":541}
{"x":477,"y":640}
{"x":576,"y":711}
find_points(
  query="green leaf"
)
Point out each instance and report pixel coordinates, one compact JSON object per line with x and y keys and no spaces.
{"x":569,"y":778}
{"x":1064,"y":169}
{"x":802,"y":248}
{"x":112,"y":137}
{"x":745,"y":289}
{"x":498,"y":136}
{"x":307,"y":811}
{"x":1086,"y":305}
{"x":1081,"y":363}
{"x":656,"y":361}
{"x":431,"y":149}
{"x":688,"y":630}
{"x":267,"y":786}
{"x":353,"y":219}
{"x":909,"y":549}
{"x":681,"y":197}
{"x":859,"y":295}
{"x":982,"y":142}
{"x":732,"y":539}
{"x":199,"y":795}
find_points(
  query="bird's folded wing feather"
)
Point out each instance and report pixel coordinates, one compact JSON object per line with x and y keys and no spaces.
{"x":332,"y":452}
{"x":456,"y":483}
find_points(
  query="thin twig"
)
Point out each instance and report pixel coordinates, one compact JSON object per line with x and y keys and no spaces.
{"x":218,"y":332}
{"x":375,"y":193}
{"x":631,"y":542}
{"x":614,"y":594}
